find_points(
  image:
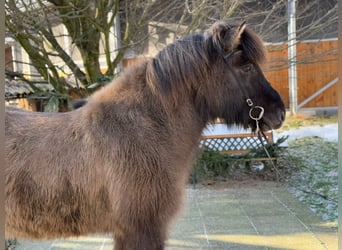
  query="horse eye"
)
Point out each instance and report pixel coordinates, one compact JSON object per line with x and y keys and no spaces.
{"x":247,"y":68}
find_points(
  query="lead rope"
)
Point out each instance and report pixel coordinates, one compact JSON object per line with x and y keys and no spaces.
{"x":260,"y":112}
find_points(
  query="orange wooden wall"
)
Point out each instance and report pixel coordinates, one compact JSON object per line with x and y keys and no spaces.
{"x":316,"y":66}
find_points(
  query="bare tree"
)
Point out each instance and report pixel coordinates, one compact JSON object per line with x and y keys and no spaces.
{"x":89,"y":25}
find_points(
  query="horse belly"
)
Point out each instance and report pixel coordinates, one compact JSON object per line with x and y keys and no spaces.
{"x":39,"y":210}
{"x":34,"y":216}
{"x":44,"y":194}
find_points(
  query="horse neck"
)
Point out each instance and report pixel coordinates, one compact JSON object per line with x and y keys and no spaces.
{"x":182,"y":120}
{"x":187,"y":120}
{"x":184,"y":135}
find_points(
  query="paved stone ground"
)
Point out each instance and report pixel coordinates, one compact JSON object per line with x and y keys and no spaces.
{"x":246,"y":217}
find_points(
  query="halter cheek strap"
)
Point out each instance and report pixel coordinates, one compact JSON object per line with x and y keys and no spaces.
{"x":256,"y":112}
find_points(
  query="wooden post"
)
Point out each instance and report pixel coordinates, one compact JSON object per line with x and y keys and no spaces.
{"x":292,"y":56}
{"x":340,"y":124}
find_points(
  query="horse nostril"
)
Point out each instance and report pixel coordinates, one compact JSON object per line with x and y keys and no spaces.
{"x":282,"y":115}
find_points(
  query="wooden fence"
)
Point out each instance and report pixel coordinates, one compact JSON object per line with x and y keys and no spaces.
{"x":316,"y":67}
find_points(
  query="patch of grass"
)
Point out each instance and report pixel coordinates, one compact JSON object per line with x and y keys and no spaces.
{"x":316,"y":181}
{"x":300,"y":120}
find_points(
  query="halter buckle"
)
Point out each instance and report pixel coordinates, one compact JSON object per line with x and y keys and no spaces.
{"x":249,"y":102}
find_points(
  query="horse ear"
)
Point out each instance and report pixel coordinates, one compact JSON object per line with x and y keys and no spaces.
{"x":225,"y":36}
{"x":238,"y":33}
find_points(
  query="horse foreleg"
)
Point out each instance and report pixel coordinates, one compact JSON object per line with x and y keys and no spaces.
{"x":146,"y":239}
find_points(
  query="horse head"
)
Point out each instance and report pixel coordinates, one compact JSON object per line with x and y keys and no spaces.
{"x":242,"y":95}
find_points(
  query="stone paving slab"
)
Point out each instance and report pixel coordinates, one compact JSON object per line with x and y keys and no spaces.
{"x":231,"y":218}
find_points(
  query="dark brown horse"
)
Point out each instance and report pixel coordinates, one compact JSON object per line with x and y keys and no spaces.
{"x":120,"y":163}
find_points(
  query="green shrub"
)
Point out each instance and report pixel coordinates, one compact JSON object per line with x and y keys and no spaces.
{"x":213,"y":164}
